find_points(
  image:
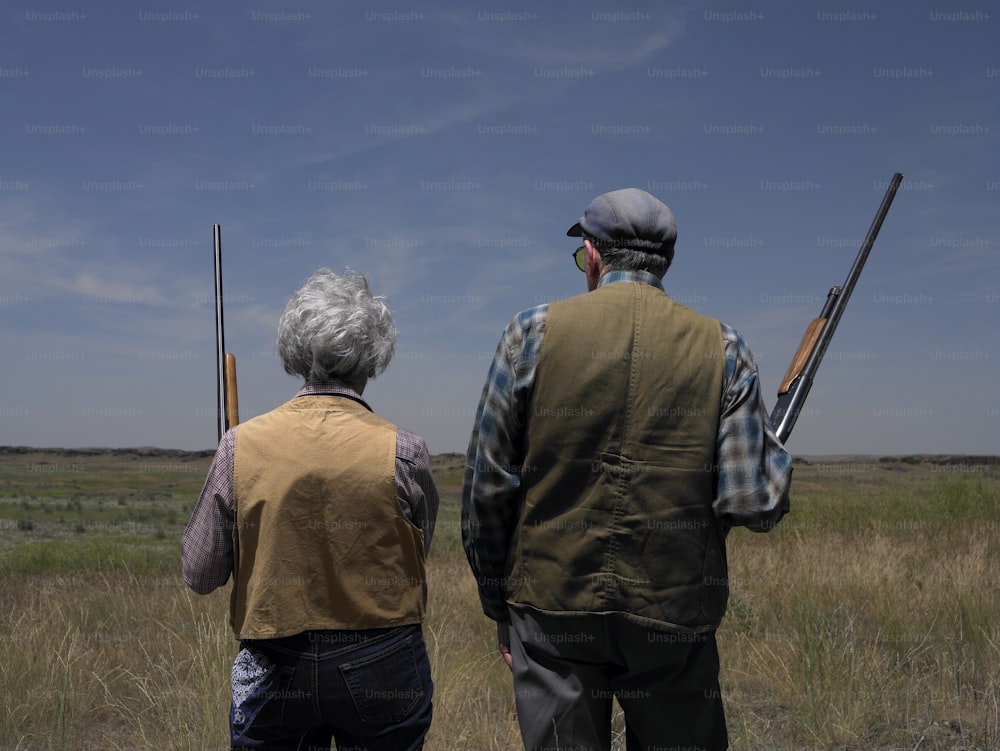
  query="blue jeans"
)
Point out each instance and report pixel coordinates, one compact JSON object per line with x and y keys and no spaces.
{"x":367,"y":690}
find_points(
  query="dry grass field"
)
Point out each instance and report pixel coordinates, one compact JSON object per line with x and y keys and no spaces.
{"x":867,"y":620}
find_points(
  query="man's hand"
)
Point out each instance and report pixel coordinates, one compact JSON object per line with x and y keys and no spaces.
{"x":503,"y":639}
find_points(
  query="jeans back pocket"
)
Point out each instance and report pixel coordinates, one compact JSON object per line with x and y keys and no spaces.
{"x":386,"y":686}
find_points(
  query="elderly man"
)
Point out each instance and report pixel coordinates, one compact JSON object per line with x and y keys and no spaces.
{"x":322,"y":512}
{"x":619,"y":437}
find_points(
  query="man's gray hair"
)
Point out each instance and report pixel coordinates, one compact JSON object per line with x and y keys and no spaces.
{"x":628,"y":259}
{"x":334,"y":328}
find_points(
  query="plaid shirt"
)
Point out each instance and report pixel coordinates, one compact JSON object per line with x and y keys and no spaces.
{"x":753,"y":468}
{"x":207,"y":544}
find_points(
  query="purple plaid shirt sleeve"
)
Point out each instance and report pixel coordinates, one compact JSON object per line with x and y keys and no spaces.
{"x":415,"y":488}
{"x":754,"y":470}
{"x":207,"y":543}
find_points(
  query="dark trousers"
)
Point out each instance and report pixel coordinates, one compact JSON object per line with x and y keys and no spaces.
{"x":568,"y":668}
{"x":367,"y":690}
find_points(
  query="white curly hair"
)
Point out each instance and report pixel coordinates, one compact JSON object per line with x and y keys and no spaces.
{"x":333,"y":328}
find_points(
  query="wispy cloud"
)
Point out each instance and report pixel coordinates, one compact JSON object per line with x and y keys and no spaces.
{"x":91,"y":288}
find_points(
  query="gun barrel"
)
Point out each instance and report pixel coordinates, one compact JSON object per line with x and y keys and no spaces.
{"x":798,"y":380}
{"x":220,"y":342}
{"x":852,"y":277}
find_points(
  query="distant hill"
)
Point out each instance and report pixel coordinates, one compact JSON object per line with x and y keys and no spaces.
{"x":453,"y":458}
{"x":145,"y":452}
{"x":940,"y":459}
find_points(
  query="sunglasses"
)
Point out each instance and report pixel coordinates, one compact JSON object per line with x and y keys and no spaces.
{"x":580,"y":256}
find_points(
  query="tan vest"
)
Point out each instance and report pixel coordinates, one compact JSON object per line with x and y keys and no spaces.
{"x":619,"y":477}
{"x":320,"y":541}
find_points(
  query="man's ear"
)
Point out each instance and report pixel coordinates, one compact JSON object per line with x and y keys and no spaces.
{"x":595,"y":266}
{"x":593,"y":258}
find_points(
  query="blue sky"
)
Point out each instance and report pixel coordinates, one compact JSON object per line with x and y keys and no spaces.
{"x":442,"y":149}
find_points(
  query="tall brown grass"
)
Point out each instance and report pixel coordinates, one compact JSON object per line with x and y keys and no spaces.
{"x":867,"y":620}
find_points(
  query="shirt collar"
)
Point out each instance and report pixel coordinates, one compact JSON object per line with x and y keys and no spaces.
{"x":331,"y":388}
{"x":639,"y":277}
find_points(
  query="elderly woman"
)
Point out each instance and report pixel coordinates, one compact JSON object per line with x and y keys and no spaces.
{"x":322,"y":512}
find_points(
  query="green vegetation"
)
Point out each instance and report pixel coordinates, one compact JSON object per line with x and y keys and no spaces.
{"x":866,"y":620}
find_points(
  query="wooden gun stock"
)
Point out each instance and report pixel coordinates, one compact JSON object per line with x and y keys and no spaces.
{"x":232,"y":401}
{"x":801,"y":357}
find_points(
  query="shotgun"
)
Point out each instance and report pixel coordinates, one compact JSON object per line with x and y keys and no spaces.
{"x":798,"y":379}
{"x":227,"y":404}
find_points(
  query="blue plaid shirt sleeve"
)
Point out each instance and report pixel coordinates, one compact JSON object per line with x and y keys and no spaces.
{"x":491,"y":486}
{"x":754,"y":469}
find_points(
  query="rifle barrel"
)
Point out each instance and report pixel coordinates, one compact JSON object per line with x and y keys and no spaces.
{"x":798,"y":381}
{"x":220,"y":342}
{"x":852,"y":277}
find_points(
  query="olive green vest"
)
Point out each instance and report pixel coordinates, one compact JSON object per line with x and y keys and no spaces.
{"x":320,"y":541}
{"x":619,"y":473}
